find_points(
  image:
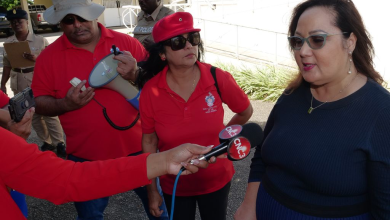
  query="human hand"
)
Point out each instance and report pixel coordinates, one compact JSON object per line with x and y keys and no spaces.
{"x":4,"y":89}
{"x":127,"y":67}
{"x":29,"y":56}
{"x":22,"y":128}
{"x":75,"y":98}
{"x":245,"y":212}
{"x":155,"y":201}
{"x":247,"y":209}
{"x":180,"y":156}
{"x":171,"y":161}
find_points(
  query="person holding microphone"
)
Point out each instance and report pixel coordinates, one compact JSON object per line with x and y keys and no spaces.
{"x":24,"y":168}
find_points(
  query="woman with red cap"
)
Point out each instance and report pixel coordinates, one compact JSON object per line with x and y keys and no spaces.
{"x":182,"y":102}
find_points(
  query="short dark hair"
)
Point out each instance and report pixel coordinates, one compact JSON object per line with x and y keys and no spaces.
{"x":347,"y":19}
{"x":153,"y":65}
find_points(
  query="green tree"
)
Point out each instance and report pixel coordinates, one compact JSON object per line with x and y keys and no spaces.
{"x":10,"y":4}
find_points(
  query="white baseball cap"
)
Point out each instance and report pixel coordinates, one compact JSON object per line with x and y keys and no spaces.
{"x":83,"y":8}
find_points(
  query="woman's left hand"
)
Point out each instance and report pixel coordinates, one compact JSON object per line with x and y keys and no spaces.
{"x":127,"y":67}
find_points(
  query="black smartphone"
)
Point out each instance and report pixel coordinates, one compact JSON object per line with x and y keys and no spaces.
{"x":20,"y":103}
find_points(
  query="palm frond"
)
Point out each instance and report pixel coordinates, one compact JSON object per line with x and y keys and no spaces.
{"x":265,"y":83}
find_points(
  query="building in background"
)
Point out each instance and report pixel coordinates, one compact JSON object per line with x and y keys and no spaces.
{"x":249,"y":30}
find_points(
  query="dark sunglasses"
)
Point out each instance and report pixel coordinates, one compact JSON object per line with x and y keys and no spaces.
{"x":315,"y":42}
{"x":68,"y":20}
{"x":179,"y":42}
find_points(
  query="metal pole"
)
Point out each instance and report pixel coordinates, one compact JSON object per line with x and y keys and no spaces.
{"x":25,"y":7}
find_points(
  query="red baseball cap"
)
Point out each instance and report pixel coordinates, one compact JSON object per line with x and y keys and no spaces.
{"x":173,"y":25}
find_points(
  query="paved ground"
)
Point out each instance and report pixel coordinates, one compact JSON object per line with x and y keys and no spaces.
{"x":127,"y":205}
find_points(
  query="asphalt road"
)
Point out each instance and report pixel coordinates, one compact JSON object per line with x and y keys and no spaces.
{"x":127,"y":205}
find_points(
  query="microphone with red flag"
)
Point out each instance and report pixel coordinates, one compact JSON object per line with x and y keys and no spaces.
{"x":236,"y":141}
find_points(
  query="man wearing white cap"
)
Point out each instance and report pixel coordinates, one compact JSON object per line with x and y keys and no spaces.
{"x":89,"y":136}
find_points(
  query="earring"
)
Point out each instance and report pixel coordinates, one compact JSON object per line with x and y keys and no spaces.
{"x":350,"y":62}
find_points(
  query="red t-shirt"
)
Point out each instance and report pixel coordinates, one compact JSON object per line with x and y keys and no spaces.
{"x":4,"y":99}
{"x":88,"y":134}
{"x":198,"y":121}
{"x":43,"y":175}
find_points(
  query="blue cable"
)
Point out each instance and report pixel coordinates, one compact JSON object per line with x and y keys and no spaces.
{"x":174,"y":192}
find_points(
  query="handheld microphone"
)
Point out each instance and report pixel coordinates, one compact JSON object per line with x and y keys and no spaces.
{"x":239,"y":145}
{"x":237,"y":142}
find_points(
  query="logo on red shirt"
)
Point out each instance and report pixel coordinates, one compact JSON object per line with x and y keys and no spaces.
{"x":210,"y":99}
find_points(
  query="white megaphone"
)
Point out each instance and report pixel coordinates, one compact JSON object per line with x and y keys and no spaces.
{"x":104,"y":74}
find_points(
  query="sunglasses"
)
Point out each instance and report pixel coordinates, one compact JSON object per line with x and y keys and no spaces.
{"x":179,"y":42}
{"x":315,"y":42}
{"x":68,"y":20}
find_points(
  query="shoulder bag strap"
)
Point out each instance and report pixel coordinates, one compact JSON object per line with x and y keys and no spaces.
{"x":213,"y":73}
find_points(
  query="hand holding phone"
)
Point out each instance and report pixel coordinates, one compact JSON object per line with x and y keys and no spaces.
{"x":20,"y":103}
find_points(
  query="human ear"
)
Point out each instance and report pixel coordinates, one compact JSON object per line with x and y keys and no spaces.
{"x":351,"y":42}
{"x":162,"y":57}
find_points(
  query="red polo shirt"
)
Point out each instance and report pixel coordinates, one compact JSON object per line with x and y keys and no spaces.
{"x":88,"y":134}
{"x":4,"y":99}
{"x":197,"y":121}
{"x":43,"y":175}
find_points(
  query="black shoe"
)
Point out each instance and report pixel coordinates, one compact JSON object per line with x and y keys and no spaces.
{"x":61,"y":152}
{"x":46,"y":147}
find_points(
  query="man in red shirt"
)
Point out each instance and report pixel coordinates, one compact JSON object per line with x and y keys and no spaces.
{"x":89,"y":136}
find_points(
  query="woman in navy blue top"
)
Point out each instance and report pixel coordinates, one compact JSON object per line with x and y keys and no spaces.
{"x":326,"y":150}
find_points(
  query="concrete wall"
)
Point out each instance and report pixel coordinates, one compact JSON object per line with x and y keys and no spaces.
{"x":267,"y":23}
{"x":256,"y":29}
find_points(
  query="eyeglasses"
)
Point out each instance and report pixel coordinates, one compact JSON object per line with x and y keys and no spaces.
{"x":315,"y":42}
{"x":179,"y":42}
{"x":68,"y":20}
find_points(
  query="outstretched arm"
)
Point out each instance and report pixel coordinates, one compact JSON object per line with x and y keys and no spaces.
{"x":64,"y":181}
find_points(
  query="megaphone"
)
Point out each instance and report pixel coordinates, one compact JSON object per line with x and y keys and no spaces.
{"x":104,"y":74}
